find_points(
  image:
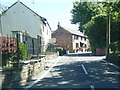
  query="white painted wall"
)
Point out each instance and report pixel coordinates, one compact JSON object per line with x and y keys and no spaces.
{"x":46,"y":32}
{"x":20,"y":18}
{"x":78,"y":41}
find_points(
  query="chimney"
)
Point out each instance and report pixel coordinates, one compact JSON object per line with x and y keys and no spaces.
{"x":58,"y":25}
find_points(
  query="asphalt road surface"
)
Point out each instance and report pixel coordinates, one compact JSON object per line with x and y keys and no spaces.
{"x":80,"y":70}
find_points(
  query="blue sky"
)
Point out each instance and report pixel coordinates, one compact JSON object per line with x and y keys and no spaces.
{"x":53,"y":10}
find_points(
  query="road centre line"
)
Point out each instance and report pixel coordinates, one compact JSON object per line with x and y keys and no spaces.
{"x":43,"y":75}
{"x":92,"y":87}
{"x":84,"y":69}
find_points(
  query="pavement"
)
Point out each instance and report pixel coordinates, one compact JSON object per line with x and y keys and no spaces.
{"x":49,"y":64}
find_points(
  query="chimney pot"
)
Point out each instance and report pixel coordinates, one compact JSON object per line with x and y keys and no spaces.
{"x":58,"y":25}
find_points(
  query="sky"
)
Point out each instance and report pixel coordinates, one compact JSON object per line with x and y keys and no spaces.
{"x":53,"y":10}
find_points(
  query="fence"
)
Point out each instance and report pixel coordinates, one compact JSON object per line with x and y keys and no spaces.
{"x":11,"y":50}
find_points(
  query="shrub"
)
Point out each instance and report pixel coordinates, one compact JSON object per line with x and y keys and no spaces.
{"x":115,"y":47}
{"x":23,"y":50}
{"x":59,"y":48}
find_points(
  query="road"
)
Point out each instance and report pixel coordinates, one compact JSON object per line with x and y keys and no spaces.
{"x":80,"y":70}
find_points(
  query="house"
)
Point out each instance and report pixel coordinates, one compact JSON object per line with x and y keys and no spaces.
{"x":20,"y":18}
{"x":70,"y":40}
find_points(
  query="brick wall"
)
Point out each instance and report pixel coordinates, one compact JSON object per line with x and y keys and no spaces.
{"x":63,"y":39}
{"x":101,"y":51}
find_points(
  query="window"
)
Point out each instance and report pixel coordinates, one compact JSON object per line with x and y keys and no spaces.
{"x":77,"y":45}
{"x":76,"y":37}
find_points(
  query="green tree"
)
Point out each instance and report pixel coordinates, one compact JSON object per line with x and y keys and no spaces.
{"x":96,"y":32}
{"x":84,"y":11}
{"x":92,"y":19}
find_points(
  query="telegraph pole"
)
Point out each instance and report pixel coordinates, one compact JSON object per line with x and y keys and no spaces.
{"x":108,"y":32}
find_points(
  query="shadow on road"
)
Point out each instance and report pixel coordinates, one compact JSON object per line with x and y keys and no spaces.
{"x":72,"y":75}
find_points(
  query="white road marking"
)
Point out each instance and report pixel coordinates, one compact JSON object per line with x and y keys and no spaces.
{"x":43,"y":75}
{"x":92,"y":87}
{"x":84,"y":69}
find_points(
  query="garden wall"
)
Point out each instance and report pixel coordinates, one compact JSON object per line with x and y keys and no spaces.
{"x":16,"y":77}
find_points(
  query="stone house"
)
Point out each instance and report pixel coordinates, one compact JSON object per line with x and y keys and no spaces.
{"x":20,"y":18}
{"x":70,"y":40}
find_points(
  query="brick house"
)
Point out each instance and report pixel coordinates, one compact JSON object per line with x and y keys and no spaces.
{"x":70,"y":40}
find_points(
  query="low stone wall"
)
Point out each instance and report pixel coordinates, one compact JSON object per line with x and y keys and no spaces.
{"x":15,"y":77}
{"x":51,"y":56}
{"x":113,"y":58}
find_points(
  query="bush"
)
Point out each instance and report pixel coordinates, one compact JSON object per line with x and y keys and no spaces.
{"x":23,"y":51}
{"x":59,"y":48}
{"x":115,"y":47}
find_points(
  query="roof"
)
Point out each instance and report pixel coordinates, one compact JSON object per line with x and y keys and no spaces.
{"x":74,"y":32}
{"x":42,"y":18}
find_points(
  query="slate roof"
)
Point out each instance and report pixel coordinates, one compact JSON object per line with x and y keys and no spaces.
{"x":74,"y":32}
{"x":42,"y":18}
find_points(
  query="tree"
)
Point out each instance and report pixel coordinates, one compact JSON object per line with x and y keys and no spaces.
{"x":92,"y":19}
{"x":96,"y":31}
{"x":83,"y":12}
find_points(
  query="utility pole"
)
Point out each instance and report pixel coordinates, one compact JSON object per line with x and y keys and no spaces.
{"x":108,"y":31}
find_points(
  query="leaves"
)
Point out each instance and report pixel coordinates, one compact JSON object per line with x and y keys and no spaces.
{"x":92,"y":19}
{"x":23,"y":51}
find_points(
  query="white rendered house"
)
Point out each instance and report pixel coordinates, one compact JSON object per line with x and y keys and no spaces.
{"x":19,"y":17}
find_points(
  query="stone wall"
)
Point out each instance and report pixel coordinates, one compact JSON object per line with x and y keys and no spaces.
{"x":113,"y":58}
{"x":16,"y":77}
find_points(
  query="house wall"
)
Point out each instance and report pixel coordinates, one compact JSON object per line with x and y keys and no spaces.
{"x":80,"y":39}
{"x":20,"y":18}
{"x":63,"y":39}
{"x":46,"y":34}
{"x":70,"y":41}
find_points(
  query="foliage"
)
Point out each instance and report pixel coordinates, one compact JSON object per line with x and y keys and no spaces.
{"x":59,"y":48}
{"x":92,"y":19}
{"x":9,"y":48}
{"x":84,"y":11}
{"x":113,"y":8}
{"x":115,"y":47}
{"x":96,"y":31}
{"x":23,"y":50}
